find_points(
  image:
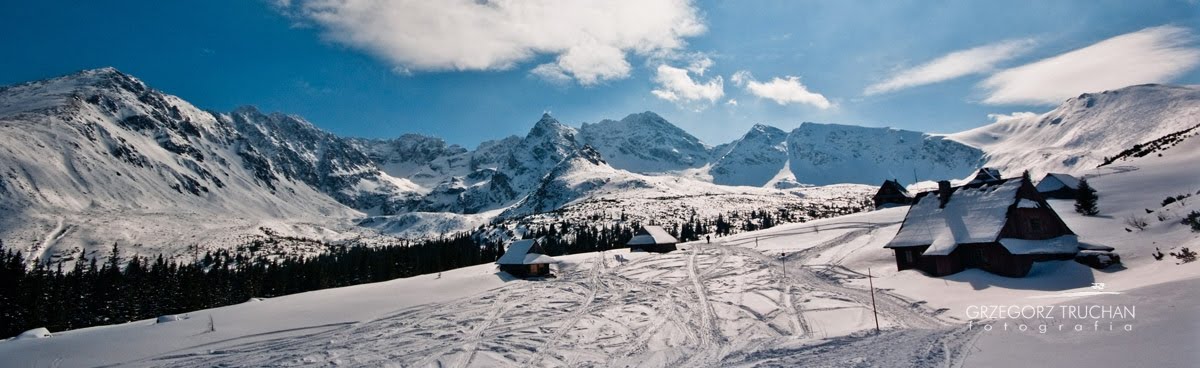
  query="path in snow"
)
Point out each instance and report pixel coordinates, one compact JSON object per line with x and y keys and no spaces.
{"x":38,"y":250}
{"x":706,"y":305}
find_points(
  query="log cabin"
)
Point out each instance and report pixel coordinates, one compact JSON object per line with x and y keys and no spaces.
{"x":1001,"y":226}
{"x":891,"y":194}
{"x":986,"y":175}
{"x":525,"y":259}
{"x":652,"y":239}
{"x":1059,"y":186}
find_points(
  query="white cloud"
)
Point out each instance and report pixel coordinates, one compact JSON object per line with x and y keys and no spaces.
{"x":1016,"y":115}
{"x":551,"y":72}
{"x":783,"y":91}
{"x":953,"y":65}
{"x":731,"y":102}
{"x":700,"y":65}
{"x":674,"y":84}
{"x":739,"y":78}
{"x":590,"y":39}
{"x":1151,"y":55}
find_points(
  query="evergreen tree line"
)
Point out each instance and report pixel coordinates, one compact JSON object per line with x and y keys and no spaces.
{"x":122,"y":289}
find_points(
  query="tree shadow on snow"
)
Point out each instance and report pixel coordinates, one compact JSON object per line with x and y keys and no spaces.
{"x":1045,"y":276}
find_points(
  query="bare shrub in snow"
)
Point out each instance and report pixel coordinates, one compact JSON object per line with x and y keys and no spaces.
{"x":1136,"y":222}
{"x":1185,"y":255}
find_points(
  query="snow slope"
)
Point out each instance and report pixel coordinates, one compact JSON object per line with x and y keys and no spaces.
{"x":1076,"y":137}
{"x":98,"y":157}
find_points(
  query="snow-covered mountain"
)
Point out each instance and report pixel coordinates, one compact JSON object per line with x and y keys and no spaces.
{"x":298,"y":151}
{"x":426,"y":161}
{"x":645,"y":143}
{"x":1078,"y":135}
{"x":99,"y":157}
{"x":752,"y":160}
{"x":822,"y":154}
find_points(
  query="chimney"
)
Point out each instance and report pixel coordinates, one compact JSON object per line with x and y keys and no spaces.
{"x":943,"y":193}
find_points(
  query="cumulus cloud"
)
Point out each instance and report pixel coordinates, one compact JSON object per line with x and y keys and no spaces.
{"x":589,"y":39}
{"x":731,"y":102}
{"x":1151,"y":55}
{"x":784,"y":91}
{"x":953,"y":65}
{"x":1016,"y":115}
{"x":674,"y":84}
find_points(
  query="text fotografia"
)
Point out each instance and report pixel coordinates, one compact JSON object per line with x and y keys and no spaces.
{"x":1053,"y":318}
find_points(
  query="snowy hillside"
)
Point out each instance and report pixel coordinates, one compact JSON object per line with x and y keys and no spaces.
{"x":97,"y":157}
{"x":1076,"y":137}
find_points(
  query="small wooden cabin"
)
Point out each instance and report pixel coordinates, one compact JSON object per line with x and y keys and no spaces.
{"x":525,"y":258}
{"x":986,"y":175}
{"x":891,"y":193}
{"x":1002,"y":227}
{"x":652,"y":239}
{"x":1060,"y":186}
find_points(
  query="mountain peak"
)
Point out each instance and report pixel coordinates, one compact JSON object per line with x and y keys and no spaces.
{"x":549,"y":126}
{"x":764,"y":130}
{"x":646,"y":117}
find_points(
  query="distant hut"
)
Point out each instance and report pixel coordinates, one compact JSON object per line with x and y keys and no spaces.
{"x":890,"y":194}
{"x":1002,"y":227}
{"x":525,"y":258}
{"x":652,"y":239}
{"x":1061,"y":186}
{"x":986,"y":175}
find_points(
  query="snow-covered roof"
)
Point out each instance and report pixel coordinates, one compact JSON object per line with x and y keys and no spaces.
{"x":972,"y":215}
{"x":986,"y":175}
{"x":652,"y":235}
{"x":1061,"y":244}
{"x":1054,"y":181}
{"x":518,"y":253}
{"x":534,"y":258}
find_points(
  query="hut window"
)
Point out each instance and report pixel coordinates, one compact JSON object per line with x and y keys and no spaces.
{"x":908,"y":256}
{"x":1035,"y":224}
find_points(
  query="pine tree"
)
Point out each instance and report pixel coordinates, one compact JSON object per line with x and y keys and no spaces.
{"x":1085,"y":200}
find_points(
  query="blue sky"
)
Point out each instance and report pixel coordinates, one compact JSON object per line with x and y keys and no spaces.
{"x":469,"y":72}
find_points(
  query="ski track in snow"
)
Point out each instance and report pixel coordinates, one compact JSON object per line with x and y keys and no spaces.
{"x":60,"y":230}
{"x":704,"y":305}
